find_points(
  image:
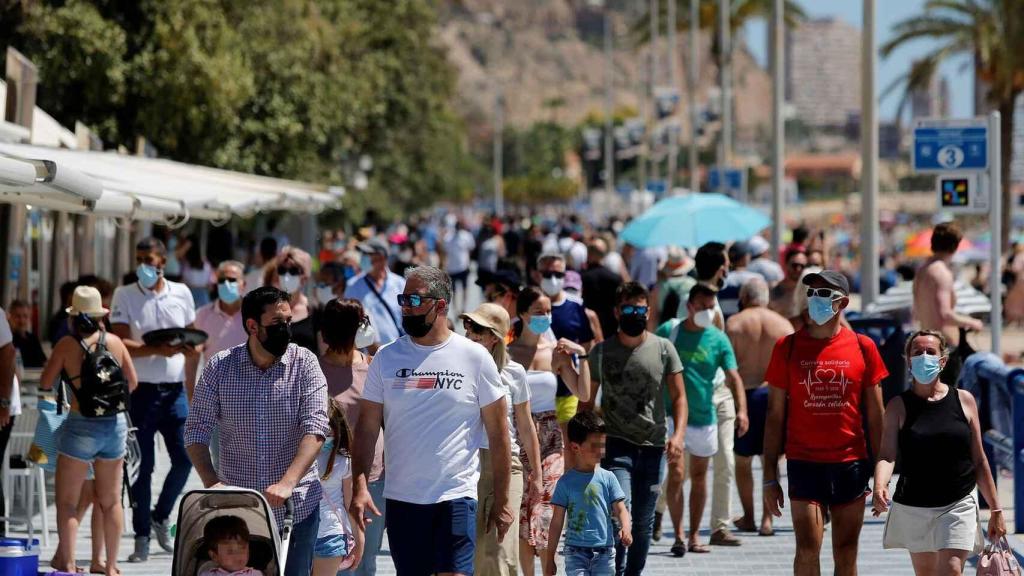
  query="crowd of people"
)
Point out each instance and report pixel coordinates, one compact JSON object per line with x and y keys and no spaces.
{"x":585,"y":394}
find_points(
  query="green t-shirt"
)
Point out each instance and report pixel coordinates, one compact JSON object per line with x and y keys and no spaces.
{"x":633,"y":381}
{"x":702,"y":354}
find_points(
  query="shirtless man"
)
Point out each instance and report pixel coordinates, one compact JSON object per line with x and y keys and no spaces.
{"x":935,"y":298}
{"x":753,"y":333}
{"x":782,"y":297}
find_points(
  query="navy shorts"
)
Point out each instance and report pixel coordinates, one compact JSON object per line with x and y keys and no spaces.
{"x":829,"y":484}
{"x":431,"y":538}
{"x":752,"y":443}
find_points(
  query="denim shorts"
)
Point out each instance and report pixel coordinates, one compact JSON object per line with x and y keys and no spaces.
{"x":580,"y":561}
{"x":333,"y":546}
{"x":88,"y":439}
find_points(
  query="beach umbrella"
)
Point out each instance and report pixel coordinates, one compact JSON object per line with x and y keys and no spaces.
{"x":693,"y":220}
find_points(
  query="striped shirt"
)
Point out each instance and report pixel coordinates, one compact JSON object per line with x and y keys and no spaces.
{"x":262,"y":416}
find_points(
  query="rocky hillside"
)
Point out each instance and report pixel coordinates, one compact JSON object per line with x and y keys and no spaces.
{"x":547,"y":55}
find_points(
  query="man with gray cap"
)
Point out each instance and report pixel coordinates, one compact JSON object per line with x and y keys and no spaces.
{"x":378,"y":289}
{"x":822,"y":381}
{"x":729,"y":295}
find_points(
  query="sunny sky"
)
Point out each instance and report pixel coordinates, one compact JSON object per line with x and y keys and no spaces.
{"x":888,"y":13}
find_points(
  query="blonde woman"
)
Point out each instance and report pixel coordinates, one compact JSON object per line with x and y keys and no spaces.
{"x":934,"y":429}
{"x":290,"y":271}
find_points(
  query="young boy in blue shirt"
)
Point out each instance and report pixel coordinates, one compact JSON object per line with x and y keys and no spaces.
{"x":588,"y":495}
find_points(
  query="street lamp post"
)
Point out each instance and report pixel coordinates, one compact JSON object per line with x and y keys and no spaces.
{"x":725,"y":70}
{"x":778,"y":125}
{"x":609,"y":104}
{"x":673,"y":135}
{"x":869,"y":161}
{"x":691,"y":90}
{"x":499,"y":150}
{"x":655,"y":77}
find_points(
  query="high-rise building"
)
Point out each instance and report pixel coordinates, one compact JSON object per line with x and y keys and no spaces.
{"x":932,"y":102}
{"x":823,"y":71}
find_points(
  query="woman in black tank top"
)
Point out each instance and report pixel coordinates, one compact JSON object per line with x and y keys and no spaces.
{"x":934,"y":429}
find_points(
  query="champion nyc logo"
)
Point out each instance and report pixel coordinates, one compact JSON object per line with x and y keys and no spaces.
{"x":410,"y":379}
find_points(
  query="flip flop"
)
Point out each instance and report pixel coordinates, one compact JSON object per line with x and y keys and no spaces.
{"x":743,"y":527}
{"x":699,"y":549}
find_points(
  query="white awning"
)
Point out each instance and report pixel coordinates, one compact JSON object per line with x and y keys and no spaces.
{"x":157,"y":189}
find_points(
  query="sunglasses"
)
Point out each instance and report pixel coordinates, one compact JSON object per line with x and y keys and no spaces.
{"x":413,"y":300}
{"x":223,"y":280}
{"x":294,"y":270}
{"x":824,"y":293}
{"x":634,"y":310}
{"x":552,"y":275}
{"x":473,"y":327}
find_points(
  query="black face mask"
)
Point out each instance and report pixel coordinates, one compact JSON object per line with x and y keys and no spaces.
{"x":416,"y":325}
{"x":85,"y":325}
{"x":278,"y":337}
{"x":633,"y":324}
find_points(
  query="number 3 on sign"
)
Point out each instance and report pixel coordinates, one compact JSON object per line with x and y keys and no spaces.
{"x":951,"y":156}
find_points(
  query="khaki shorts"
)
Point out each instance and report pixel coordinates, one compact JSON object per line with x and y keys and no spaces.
{"x":953,"y":527}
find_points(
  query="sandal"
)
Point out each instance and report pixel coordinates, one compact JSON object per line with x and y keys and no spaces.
{"x":699,"y":549}
{"x":743,"y":526}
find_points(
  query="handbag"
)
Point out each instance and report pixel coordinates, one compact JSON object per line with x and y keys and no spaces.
{"x":998,"y":560}
{"x":43,"y":451}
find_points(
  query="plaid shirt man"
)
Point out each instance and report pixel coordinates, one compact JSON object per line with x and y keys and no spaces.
{"x":262,"y":416}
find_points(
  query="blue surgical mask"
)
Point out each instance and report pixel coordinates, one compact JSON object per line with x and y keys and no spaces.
{"x":148,"y":275}
{"x":925,"y":368}
{"x":365,"y":263}
{"x":819,"y":308}
{"x":540,"y":324}
{"x":227,"y":292}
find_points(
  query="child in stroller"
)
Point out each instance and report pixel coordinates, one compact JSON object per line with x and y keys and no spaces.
{"x":227,"y":541}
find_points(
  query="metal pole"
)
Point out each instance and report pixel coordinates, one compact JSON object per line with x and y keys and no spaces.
{"x":645,"y":141}
{"x":691,"y":89}
{"x":869,"y":161}
{"x":778,"y":126}
{"x":726,"y":71}
{"x":609,"y":103}
{"x":655,"y":76}
{"x":673,"y":136}
{"x":499,"y":149}
{"x":995,"y":281}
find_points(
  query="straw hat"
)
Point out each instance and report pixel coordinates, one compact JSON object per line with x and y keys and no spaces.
{"x":87,"y":300}
{"x":490,"y":316}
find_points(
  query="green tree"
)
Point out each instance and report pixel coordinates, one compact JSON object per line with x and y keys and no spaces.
{"x":992,"y":33}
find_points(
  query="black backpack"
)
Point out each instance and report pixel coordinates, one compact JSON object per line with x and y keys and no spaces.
{"x":103,"y":389}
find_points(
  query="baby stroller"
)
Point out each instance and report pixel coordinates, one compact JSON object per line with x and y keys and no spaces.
{"x":268,"y":550}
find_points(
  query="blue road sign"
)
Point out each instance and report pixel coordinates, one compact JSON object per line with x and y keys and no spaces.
{"x":950,"y":145}
{"x":726,"y":180}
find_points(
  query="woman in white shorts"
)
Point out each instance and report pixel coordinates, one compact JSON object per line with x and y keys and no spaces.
{"x":934,"y":429}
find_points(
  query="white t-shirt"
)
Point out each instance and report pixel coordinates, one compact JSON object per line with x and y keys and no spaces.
{"x":7,"y":337}
{"x":144,"y":311}
{"x":457,"y":245}
{"x":432,"y":396}
{"x":334,"y":518}
{"x":513,"y":378}
{"x":543,"y":389}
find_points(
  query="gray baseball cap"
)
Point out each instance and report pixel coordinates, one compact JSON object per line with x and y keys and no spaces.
{"x":833,"y":279}
{"x":374,"y":246}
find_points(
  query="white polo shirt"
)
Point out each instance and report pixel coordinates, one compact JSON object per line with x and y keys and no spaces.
{"x":144,"y":311}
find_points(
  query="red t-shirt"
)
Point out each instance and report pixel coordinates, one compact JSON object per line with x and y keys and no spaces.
{"x":824,"y":381}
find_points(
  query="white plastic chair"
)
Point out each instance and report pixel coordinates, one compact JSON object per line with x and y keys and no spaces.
{"x":32,"y":476}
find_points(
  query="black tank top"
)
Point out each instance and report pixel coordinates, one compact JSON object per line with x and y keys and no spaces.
{"x":934,"y":452}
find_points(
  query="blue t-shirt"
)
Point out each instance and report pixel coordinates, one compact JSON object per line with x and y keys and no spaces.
{"x":569,"y":321}
{"x":588,"y":499}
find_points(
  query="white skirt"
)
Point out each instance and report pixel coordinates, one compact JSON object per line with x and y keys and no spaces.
{"x":917,"y":529}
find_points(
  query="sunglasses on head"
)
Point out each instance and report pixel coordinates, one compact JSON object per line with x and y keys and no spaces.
{"x":473,"y":327}
{"x":824,"y":293}
{"x":637,"y":310}
{"x":293,"y":270}
{"x":413,"y":300}
{"x":552,"y":274}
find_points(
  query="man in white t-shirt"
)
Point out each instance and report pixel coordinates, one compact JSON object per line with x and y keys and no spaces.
{"x":159,"y":404}
{"x":10,"y":398}
{"x":435,"y":393}
{"x":458,"y":244}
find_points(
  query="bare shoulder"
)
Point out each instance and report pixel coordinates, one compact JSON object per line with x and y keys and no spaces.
{"x":967,"y":400}
{"x":896,"y":407}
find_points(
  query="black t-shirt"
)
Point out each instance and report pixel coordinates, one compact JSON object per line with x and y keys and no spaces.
{"x":599,"y":286}
{"x":32,"y":355}
{"x":304,"y":332}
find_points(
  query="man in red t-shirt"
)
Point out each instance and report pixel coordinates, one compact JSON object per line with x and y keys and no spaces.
{"x":822,"y":380}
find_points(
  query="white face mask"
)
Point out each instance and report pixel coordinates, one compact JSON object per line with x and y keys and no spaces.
{"x":290,"y":283}
{"x":365,"y":336}
{"x":704,"y":318}
{"x":324,"y":294}
{"x":552,"y":286}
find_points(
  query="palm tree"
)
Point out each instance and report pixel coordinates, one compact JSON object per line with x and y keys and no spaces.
{"x":992,"y":33}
